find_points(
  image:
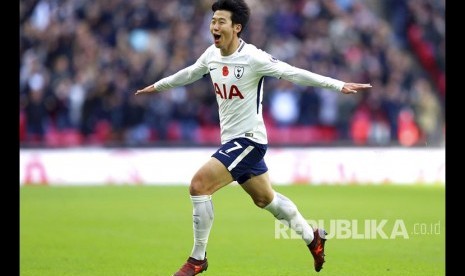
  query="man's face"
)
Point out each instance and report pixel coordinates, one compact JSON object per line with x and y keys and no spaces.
{"x":223,"y":30}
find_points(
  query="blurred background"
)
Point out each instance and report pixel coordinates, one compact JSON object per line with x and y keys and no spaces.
{"x":81,"y":62}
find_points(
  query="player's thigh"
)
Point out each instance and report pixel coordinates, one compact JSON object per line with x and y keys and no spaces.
{"x":259,"y":188}
{"x":211,"y":177}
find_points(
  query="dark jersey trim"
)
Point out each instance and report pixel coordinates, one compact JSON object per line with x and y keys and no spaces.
{"x":241,"y":46}
{"x":259,"y":90}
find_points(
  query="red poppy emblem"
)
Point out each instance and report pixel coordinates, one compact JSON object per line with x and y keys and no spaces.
{"x":225,"y":71}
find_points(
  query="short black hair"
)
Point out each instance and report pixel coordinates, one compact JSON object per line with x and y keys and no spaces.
{"x":240,"y":11}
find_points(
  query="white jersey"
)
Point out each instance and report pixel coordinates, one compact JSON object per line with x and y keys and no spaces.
{"x":238,"y":84}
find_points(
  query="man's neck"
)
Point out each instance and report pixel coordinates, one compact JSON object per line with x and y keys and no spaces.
{"x":232,"y":47}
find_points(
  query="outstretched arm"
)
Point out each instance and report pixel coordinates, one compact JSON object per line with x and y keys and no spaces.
{"x":265,"y":64}
{"x":307,"y":78}
{"x":183,"y":77}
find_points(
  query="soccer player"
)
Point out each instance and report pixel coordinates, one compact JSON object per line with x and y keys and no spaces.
{"x":237,"y":70}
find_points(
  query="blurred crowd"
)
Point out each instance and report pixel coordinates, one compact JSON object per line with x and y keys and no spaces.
{"x":81,"y":62}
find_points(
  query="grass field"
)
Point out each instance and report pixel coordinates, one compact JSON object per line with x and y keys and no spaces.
{"x":147,"y":230}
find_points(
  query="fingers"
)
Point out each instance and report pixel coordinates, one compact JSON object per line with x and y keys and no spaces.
{"x":148,"y":89}
{"x":360,"y":85}
{"x":352,"y":88}
{"x":141,"y":91}
{"x":357,"y":86}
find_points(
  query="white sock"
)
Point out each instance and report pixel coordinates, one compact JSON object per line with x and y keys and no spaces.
{"x":202,"y":216}
{"x":286,"y":211}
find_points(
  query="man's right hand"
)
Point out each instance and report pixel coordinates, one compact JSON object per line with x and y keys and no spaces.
{"x":148,"y":89}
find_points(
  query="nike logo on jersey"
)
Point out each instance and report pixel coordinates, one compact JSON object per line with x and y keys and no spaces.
{"x":211,"y":69}
{"x":221,"y":151}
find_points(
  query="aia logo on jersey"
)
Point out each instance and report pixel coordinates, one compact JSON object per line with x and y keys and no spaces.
{"x":238,"y":71}
{"x":227,"y":93}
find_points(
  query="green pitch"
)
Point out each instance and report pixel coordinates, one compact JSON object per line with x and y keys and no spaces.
{"x":147,"y":230}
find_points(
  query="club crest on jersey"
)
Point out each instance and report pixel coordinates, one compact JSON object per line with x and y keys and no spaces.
{"x":238,"y":71}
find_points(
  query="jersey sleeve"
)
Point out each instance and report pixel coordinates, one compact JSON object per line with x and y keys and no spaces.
{"x":267,"y":65}
{"x":184,"y":76}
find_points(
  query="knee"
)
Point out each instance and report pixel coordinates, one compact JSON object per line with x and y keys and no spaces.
{"x":197,"y":186}
{"x":262,"y":202}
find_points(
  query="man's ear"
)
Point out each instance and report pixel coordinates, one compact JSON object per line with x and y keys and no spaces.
{"x":237,"y":27}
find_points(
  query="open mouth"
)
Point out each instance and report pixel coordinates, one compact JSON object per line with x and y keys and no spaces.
{"x":216,"y":37}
